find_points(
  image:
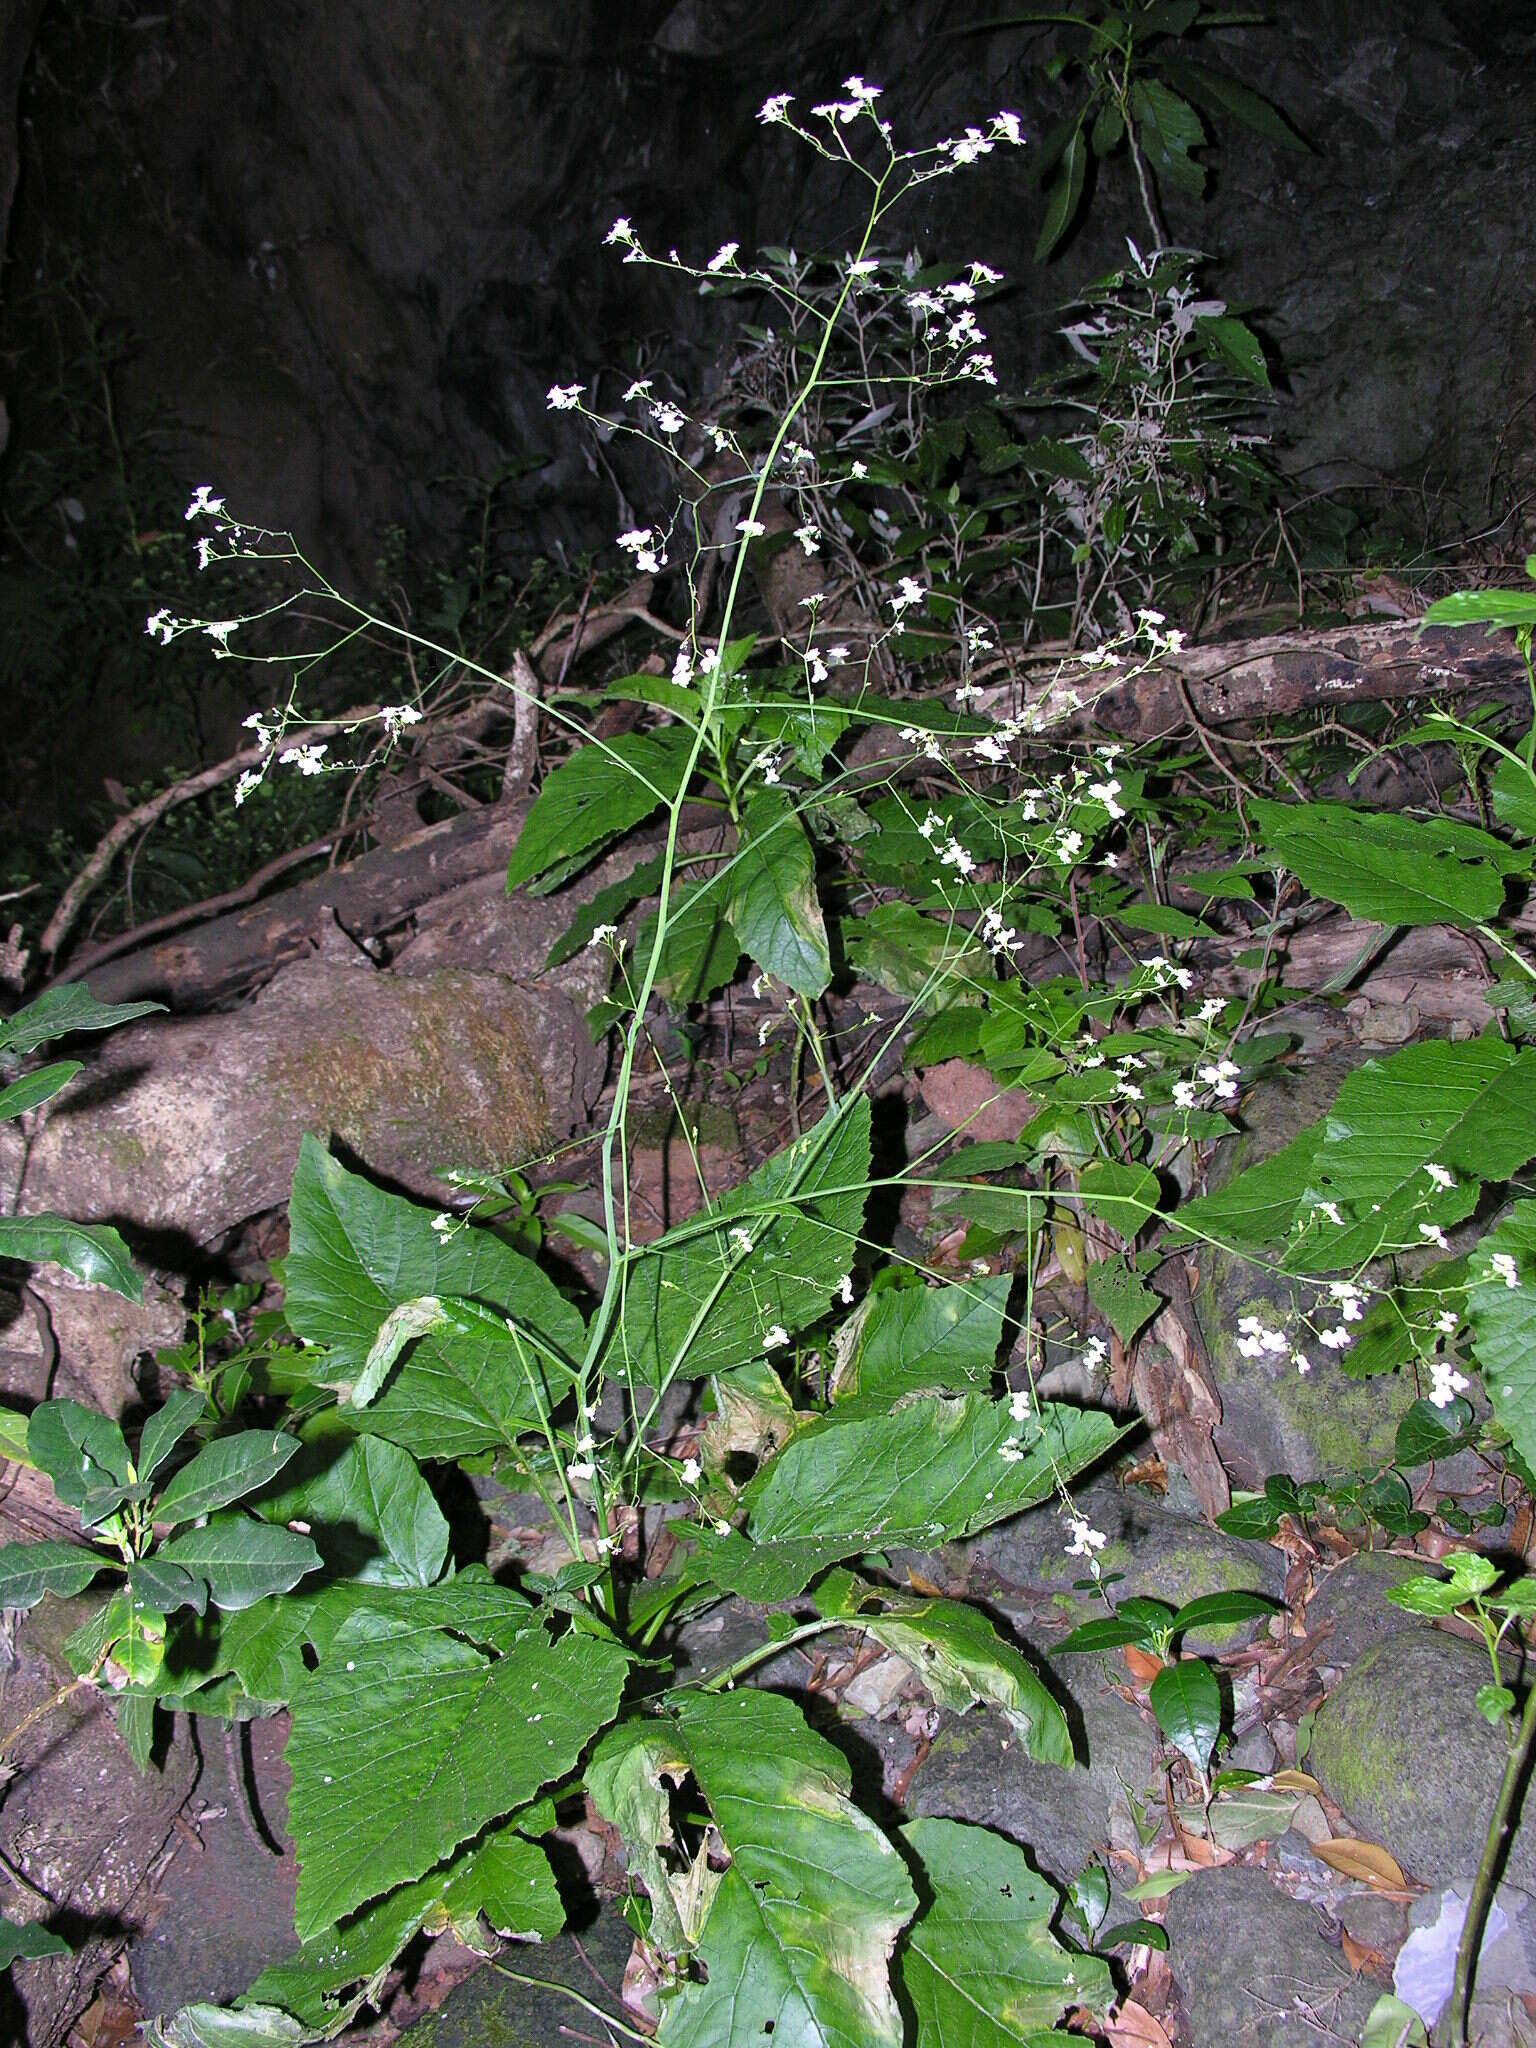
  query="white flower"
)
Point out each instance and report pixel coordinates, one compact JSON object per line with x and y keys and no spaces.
{"x":690,"y":1472}
{"x":580,"y":1468}
{"x":1085,"y":1538}
{"x":1221,"y":1075}
{"x":682,"y":668}
{"x":1440,"y":1175}
{"x":983,"y":273}
{"x":204,"y":502}
{"x":1107,"y":792}
{"x":1501,"y":1266}
{"x":955,"y":856}
{"x":668,"y":418}
{"x":1129,"y":1090}
{"x":1210,"y":1009}
{"x":1068,"y":846}
{"x":856,"y":89}
{"x":219,"y":630}
{"x":1149,"y":618}
{"x":603,"y":935}
{"x":250,"y":780}
{"x":1446,"y":1322}
{"x":742,"y":1239}
{"x":1019,"y":1404}
{"x":809,"y":538}
{"x":308,"y":759}
{"x":908,"y":591}
{"x":621,"y":232}
{"x":1007,"y":129}
{"x":863,"y":266}
{"x":1434,"y":1235}
{"x":989,"y":747}
{"x":1448,"y":1382}
{"x":751,"y":529}
{"x":442,"y":1223}
{"x":1302,"y":1363}
{"x":775,"y":1337}
{"x":1336,"y":1340}
{"x":641,"y":388}
{"x":858,"y":469}
{"x":845,"y":1290}
{"x":161,"y":626}
{"x":776,"y":108}
{"x":1011,"y":1452}
{"x":1331,"y":1211}
{"x":397,"y":716}
{"x":724,"y":256}
{"x":564,"y":397}
{"x":1184,"y":1094}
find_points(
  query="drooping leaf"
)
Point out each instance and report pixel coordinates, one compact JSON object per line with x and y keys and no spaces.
{"x":1515,"y":608}
{"x":606,"y":907}
{"x":597,"y":793}
{"x":93,"y":1252}
{"x":29,"y":1570}
{"x":39,"y":1086}
{"x":357,"y":1252}
{"x":201,"y":2025}
{"x":58,"y":1011}
{"x":407,"y":1321}
{"x":242,"y":1560}
{"x":1169,"y":129}
{"x":1503,"y":1318}
{"x":135,"y":1717}
{"x":225,"y":1471}
{"x":372,"y":1512}
{"x":1391,"y":869}
{"x":1229,"y":96}
{"x":407,"y":1741}
{"x":959,"y":1655}
{"x":1186,"y":1703}
{"x":980,"y":1964}
{"x":1237,"y":345}
{"x":799,"y":1934}
{"x":695,"y":1298}
{"x":772,"y":905}
{"x":939,"y":1337}
{"x":930,"y":1472}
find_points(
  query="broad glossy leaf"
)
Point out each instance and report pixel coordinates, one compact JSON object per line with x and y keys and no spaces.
{"x":1221,"y":1610}
{"x":959,"y":1655}
{"x":1513,"y":793}
{"x":93,"y":1252}
{"x":165,"y":1587}
{"x":597,"y":793}
{"x":1427,"y":1432}
{"x":1186,"y":1702}
{"x":39,"y":1086}
{"x":225,"y":1471}
{"x":980,"y":1964}
{"x":1126,"y":1196}
{"x":29,"y":1570}
{"x":1504,"y":1323}
{"x":695,"y":1299}
{"x":165,"y":1429}
{"x":1515,"y":608}
{"x":932,"y":1471}
{"x":407,"y":1741}
{"x":58,"y":1011}
{"x":1103,"y":1632}
{"x":242,"y":1560}
{"x":773,"y":906}
{"x":27,"y":1939}
{"x":1389,"y":868}
{"x":799,"y":1935}
{"x":80,"y":1449}
{"x":357,"y":1252}
{"x":945,"y":1337}
{"x":370,"y":1510}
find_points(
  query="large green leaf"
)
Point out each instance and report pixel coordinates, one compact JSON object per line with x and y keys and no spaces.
{"x":1169,"y":129}
{"x":1392,"y":869}
{"x":946,"y":1337}
{"x":903,"y":951}
{"x":697,"y":1299}
{"x":1503,"y":1320}
{"x":58,"y":1011}
{"x":371,"y":1511}
{"x":242,"y":1560}
{"x":773,"y":906}
{"x":700,"y":951}
{"x":1186,"y":1700}
{"x":599,"y":792}
{"x":359,"y":1252}
{"x":407,"y":1741}
{"x":932,"y":1471}
{"x":959,"y":1655}
{"x":39,"y":1086}
{"x":980,"y":1964}
{"x":1063,"y":194}
{"x":799,"y":1934}
{"x":29,"y":1570}
{"x":27,"y":1939}
{"x":93,"y":1252}
{"x":225,"y":1471}
{"x":1230,"y":96}
{"x":82,"y":1451}
{"x":182,"y":1409}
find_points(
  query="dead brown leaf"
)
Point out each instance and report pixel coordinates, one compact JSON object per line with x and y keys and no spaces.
{"x":1366,"y":1861}
{"x":1364,"y":1960}
{"x":1134,"y":2027}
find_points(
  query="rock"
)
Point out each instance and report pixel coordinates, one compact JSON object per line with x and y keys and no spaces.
{"x":1401,"y":1747}
{"x":487,"y":2008}
{"x":1353,"y":1597}
{"x":1274,"y":1419}
{"x":1255,"y":1967}
{"x":1155,"y":1551}
{"x":1506,"y":1964}
{"x":977,"y":1772}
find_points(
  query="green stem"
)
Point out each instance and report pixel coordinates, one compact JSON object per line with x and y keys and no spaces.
{"x":1452,"y":2031}
{"x":569,"y":1991}
{"x":722,"y":1680}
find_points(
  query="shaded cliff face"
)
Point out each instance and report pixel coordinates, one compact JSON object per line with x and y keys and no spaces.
{"x":347,"y":247}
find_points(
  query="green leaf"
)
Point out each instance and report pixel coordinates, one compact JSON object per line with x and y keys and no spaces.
{"x":932,"y":1471}
{"x":135,"y":1717}
{"x":1104,"y":1632}
{"x":1391,"y":2024}
{"x":695,"y":1301}
{"x":1494,"y":1702}
{"x":80,"y":1449}
{"x":903,"y":951}
{"x":29,"y":1570}
{"x":357,"y":1252}
{"x":959,"y":1655}
{"x":373,"y":1514}
{"x":1164,"y":919}
{"x":980,"y":1964}
{"x":1228,"y":96}
{"x":606,"y":907}
{"x":1512,"y":790}
{"x":58,"y":1011}
{"x":1391,"y":869}
{"x":1516,"y":608}
{"x":1063,"y":194}
{"x":1121,"y":1296}
{"x":773,"y":906}
{"x":407,"y":1321}
{"x":1169,"y":128}
{"x":1504,"y":1323}
{"x":224,"y":1471}
{"x":93,"y":1252}
{"x":38,"y":1086}
{"x":1127,"y":1196}
{"x":923,"y":1337}
{"x":1221,"y":1610}
{"x":799,"y":1934}
{"x":600,"y":791}
{"x":700,"y":951}
{"x":26,"y":1940}
{"x":1237,"y":345}
{"x":1427,"y":1432}
{"x":1186,"y":1704}
{"x":183,"y":1408}
{"x":242,"y":1560}
{"x":201,"y":2025}
{"x":164,"y":1587}
{"x":407,"y":1741}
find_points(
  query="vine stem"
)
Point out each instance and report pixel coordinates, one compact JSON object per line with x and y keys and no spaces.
{"x":1452,"y":2032}
{"x":720,"y":1681}
{"x":569,"y":1991}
